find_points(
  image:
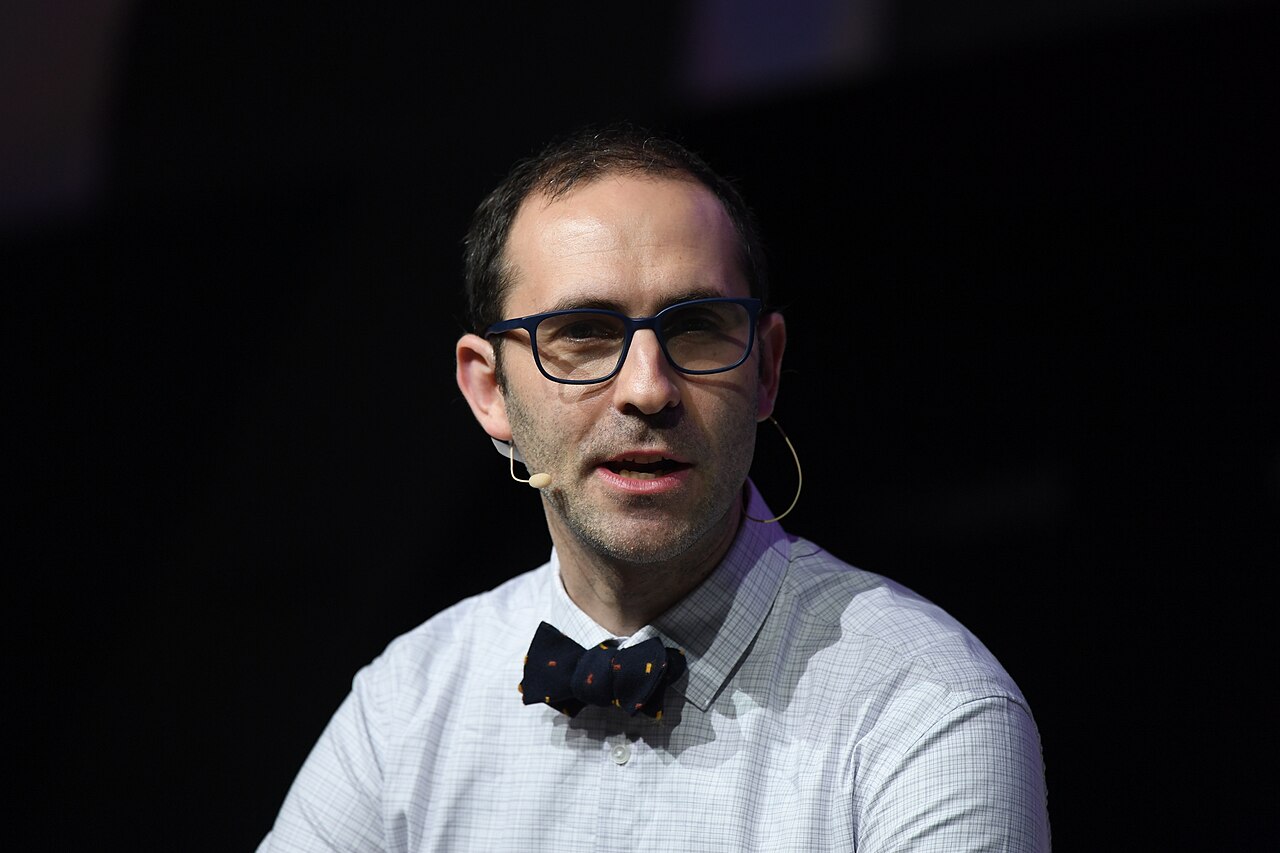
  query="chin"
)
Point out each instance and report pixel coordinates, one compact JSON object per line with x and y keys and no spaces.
{"x":649,"y":551}
{"x":645,"y":540}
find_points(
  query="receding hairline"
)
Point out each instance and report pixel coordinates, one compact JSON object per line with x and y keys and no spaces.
{"x":587,"y":157}
{"x":562,"y":179}
{"x":552,"y":190}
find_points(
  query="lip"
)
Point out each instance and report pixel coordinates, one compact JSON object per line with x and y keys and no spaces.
{"x":668,"y":481}
{"x":652,"y":454}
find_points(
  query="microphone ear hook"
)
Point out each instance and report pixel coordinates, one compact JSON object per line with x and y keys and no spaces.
{"x":795,"y":457}
{"x":507,"y":448}
{"x":539,"y":480}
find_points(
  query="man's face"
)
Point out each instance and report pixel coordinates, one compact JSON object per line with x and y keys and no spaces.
{"x":650,"y":463}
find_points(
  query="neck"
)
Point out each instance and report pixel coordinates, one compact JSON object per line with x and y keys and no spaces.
{"x":622,"y":596}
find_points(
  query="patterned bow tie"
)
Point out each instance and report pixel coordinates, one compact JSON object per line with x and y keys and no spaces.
{"x":564,"y":675}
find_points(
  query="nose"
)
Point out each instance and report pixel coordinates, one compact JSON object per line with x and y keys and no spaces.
{"x":646,"y":382}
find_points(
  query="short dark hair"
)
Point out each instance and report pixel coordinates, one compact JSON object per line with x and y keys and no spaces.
{"x":586,"y":156}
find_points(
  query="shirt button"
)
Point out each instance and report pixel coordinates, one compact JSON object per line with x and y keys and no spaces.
{"x":620,"y":754}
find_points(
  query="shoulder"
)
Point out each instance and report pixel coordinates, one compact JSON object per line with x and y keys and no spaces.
{"x":894,"y":677}
{"x":889,"y":632}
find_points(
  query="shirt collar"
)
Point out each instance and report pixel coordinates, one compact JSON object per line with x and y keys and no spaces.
{"x":716,"y":622}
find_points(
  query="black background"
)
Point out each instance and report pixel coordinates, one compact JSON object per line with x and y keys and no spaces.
{"x":1031,"y":375}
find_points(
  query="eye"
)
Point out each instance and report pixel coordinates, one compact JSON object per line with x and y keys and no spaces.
{"x":581,"y":328}
{"x":693,"y":321}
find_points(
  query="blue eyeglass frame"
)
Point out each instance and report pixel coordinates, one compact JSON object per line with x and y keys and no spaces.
{"x":631,"y":325}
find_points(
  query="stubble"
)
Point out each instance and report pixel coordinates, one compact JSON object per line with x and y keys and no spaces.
{"x":602,"y":528}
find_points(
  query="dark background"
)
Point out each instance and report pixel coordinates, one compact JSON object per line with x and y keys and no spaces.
{"x":1025,"y":251}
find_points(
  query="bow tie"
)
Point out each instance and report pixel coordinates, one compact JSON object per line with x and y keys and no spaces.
{"x":564,"y":675}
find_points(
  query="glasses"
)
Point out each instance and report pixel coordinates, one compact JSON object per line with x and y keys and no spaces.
{"x":582,"y":346}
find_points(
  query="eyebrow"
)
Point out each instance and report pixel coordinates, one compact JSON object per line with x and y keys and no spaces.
{"x":568,"y":303}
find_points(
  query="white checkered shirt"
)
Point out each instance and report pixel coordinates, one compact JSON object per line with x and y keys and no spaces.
{"x":824,"y":708}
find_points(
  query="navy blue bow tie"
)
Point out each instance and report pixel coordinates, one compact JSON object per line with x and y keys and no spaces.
{"x":564,"y":675}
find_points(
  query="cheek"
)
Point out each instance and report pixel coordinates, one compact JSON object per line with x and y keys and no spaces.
{"x":724,"y":413}
{"x":552,"y":425}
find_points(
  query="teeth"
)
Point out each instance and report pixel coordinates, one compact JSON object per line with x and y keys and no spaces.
{"x":646,"y":466}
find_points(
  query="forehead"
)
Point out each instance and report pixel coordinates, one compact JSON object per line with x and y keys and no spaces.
{"x":635,"y":242}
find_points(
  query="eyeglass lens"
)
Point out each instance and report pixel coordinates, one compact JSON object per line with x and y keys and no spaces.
{"x":697,"y":337}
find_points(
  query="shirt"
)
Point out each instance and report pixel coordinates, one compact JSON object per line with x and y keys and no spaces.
{"x":824,"y":708}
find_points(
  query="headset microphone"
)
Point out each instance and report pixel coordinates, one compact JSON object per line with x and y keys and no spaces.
{"x":539,"y":480}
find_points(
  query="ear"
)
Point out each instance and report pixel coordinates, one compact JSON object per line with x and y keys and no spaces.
{"x":478,"y":381}
{"x":771,"y":339}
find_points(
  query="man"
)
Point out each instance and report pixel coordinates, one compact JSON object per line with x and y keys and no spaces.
{"x":702,"y":681}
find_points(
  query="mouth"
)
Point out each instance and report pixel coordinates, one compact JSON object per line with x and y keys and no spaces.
{"x":644,"y":466}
